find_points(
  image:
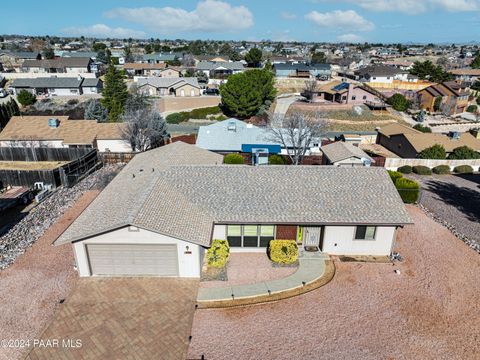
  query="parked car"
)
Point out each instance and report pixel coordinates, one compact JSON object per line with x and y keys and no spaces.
{"x":3,"y":93}
{"x":211,"y":92}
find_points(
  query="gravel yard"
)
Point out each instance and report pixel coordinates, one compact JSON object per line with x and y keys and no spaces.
{"x":454,"y":199}
{"x":428,"y":311}
{"x":32,"y":287}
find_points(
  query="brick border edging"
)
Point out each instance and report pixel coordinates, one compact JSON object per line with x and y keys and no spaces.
{"x":324,"y":279}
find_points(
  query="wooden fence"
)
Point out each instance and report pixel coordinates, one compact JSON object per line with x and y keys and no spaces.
{"x":41,"y":154}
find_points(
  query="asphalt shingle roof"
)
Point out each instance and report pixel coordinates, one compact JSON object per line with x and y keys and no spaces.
{"x":340,"y":150}
{"x":161,"y":82}
{"x":230,"y":65}
{"x":48,"y":82}
{"x":185,"y":201}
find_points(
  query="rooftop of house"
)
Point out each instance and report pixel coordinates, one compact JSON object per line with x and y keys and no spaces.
{"x":181,"y":191}
{"x":21,"y":54}
{"x":420,"y":141}
{"x":301,"y":67}
{"x":71,"y":132}
{"x":466,"y":71}
{"x":144,"y":66}
{"x":58,"y":63}
{"x":167,"y":82}
{"x":47,"y":82}
{"x":340,"y":150}
{"x":219,"y":65}
{"x":159,"y":57}
{"x":378,"y":70}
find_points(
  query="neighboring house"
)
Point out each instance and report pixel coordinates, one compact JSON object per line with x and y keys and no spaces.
{"x":56,"y":86}
{"x":383,"y":74}
{"x":78,"y":54}
{"x":211,"y":58}
{"x":219,"y":69}
{"x":73,"y":65}
{"x":454,"y":97}
{"x":236,"y":136}
{"x":159,"y":215}
{"x":467,"y":75}
{"x":300,"y":70}
{"x":144,"y":69}
{"x":400,"y":64}
{"x":158,"y":58}
{"x":160,"y":86}
{"x":354,"y":138}
{"x":341,"y":153}
{"x":12,"y":61}
{"x":407,"y":142}
{"x":347,"y":93}
{"x":60,"y":132}
{"x":288,"y":60}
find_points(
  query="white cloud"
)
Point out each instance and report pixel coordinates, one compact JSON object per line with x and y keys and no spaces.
{"x":414,"y":6}
{"x":103,"y":31}
{"x":350,"y":38}
{"x":288,"y":15}
{"x":339,"y":19}
{"x":208,"y":16}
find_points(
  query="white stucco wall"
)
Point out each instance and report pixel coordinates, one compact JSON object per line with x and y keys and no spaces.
{"x":189,"y":265}
{"x":113,"y":146}
{"x":339,"y":240}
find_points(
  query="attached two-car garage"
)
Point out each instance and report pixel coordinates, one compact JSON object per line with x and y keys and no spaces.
{"x":133,"y":259}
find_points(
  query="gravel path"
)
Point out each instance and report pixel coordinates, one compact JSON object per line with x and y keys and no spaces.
{"x":428,"y":311}
{"x":454,"y":199}
{"x":33,"y":285}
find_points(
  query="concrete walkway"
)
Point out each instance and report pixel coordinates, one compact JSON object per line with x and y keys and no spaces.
{"x":314,"y":270}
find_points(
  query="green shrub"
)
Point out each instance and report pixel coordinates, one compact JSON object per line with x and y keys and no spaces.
{"x":407,"y":169}
{"x":218,"y":253}
{"x":283,"y":251}
{"x":441,"y":170}
{"x":463,"y":153}
{"x":395,"y":175}
{"x":424,"y":129}
{"x":434,"y":152}
{"x":175,"y":118}
{"x":236,"y":159}
{"x":408,"y":190}
{"x":463,"y":169}
{"x":472,"y":108}
{"x":422,"y":170}
{"x":204,"y":112}
{"x":276,"y":160}
{"x":26,"y":98}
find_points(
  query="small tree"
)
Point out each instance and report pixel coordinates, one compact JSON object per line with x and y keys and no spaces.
{"x":254,"y":57}
{"x":233,"y":159}
{"x":318,"y":58}
{"x":311,"y":87}
{"x":437,"y":104}
{"x":434,"y":152}
{"x":463,"y":153}
{"x":48,"y":53}
{"x":399,"y":102}
{"x":94,"y":110}
{"x":298,"y":133}
{"x":26,"y":98}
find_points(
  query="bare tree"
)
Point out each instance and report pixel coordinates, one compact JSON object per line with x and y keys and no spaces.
{"x":311,"y":87}
{"x":144,"y":128}
{"x":298,"y":133}
{"x":188,"y":60}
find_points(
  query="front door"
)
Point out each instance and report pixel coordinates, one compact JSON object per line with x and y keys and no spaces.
{"x":311,"y":238}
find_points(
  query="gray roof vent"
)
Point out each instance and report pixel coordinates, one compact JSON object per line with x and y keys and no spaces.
{"x":232,"y":126}
{"x":53,"y":123}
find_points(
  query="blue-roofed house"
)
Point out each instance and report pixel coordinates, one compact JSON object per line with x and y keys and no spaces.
{"x":236,"y":136}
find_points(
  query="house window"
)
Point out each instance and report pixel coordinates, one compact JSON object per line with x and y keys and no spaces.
{"x":234,"y":235}
{"x":250,"y":235}
{"x":364,"y":97}
{"x":365,"y":233}
{"x":354,"y":98}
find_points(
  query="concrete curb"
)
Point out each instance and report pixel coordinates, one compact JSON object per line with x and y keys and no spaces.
{"x":324,"y":279}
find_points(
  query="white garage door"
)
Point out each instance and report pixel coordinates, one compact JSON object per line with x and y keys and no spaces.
{"x":133,"y":259}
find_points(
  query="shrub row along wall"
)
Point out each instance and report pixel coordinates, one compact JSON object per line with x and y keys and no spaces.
{"x":395,"y":163}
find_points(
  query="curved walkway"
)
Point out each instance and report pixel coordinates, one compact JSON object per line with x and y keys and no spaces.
{"x":313,"y":272}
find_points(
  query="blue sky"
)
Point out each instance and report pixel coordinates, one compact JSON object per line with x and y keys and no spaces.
{"x":436,"y":21}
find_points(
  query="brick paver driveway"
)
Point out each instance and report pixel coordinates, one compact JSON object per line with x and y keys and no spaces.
{"x":123,"y":318}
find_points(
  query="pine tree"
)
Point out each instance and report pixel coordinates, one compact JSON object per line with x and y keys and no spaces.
{"x":115,"y":94}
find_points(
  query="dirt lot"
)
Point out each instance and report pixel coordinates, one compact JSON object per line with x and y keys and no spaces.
{"x":31,"y":165}
{"x":168,"y":105}
{"x":428,"y":311}
{"x":32,"y":287}
{"x":454,"y":198}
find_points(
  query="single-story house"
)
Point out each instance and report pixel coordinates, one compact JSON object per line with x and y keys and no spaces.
{"x":158,"y":58}
{"x":144,"y":69}
{"x":162,"y":86}
{"x":60,"y":132}
{"x":57,"y":86}
{"x":160,"y":213}
{"x":408,"y":142}
{"x":12,"y":61}
{"x":379,"y":73}
{"x":300,"y":70}
{"x":236,"y":136}
{"x":341,"y":153}
{"x":347,"y":93}
{"x":219,"y":69}
{"x":74,"y":65}
{"x":467,"y":75}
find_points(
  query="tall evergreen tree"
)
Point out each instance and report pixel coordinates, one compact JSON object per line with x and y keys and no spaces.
{"x":115,"y":93}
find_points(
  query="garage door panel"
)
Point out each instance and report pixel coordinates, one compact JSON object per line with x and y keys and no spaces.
{"x":133,"y":259}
